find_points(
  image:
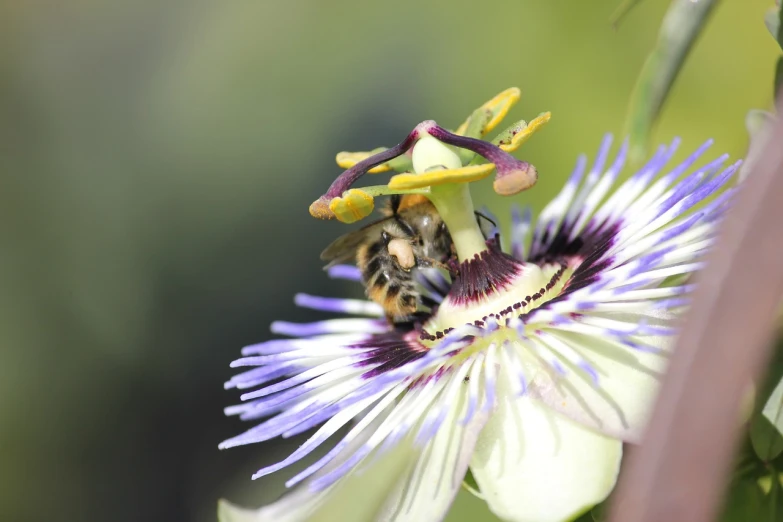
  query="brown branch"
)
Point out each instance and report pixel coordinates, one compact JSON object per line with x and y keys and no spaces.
{"x":679,"y":473}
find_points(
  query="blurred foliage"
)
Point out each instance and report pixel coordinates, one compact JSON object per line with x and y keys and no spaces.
{"x":622,"y":11}
{"x":774,"y":21}
{"x":682,"y":24}
{"x":755,"y":491}
{"x":759,"y":126}
{"x":158,"y":161}
{"x":778,"y":77}
{"x":779,"y":66}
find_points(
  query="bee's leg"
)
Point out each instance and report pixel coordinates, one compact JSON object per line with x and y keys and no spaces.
{"x":428,"y":262}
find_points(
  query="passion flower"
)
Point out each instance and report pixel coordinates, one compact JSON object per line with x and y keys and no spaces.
{"x":532,"y":366}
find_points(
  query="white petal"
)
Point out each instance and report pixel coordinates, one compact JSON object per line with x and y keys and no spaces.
{"x":429,"y":490}
{"x":619,"y":400}
{"x":357,"y":498}
{"x":533,"y":465}
{"x":295,"y":506}
{"x":405,"y":483}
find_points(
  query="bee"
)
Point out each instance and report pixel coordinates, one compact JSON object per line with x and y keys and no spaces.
{"x":411,"y":235}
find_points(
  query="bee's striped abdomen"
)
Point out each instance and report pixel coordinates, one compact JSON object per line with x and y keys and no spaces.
{"x":386,"y":282}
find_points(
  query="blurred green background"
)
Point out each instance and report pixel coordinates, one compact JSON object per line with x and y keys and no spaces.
{"x":158,"y":159}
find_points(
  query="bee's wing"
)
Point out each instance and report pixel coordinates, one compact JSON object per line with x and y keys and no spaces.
{"x":343,"y":248}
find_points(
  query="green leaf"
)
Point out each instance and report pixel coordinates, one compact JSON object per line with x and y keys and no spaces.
{"x":746,"y":462}
{"x":780,"y":25}
{"x":766,"y":439}
{"x":469,"y":483}
{"x":771,"y":509}
{"x":683,"y":22}
{"x":743,"y":502}
{"x":599,"y":512}
{"x":778,"y":79}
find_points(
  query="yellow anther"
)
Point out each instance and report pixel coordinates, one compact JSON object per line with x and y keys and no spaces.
{"x":439,"y":177}
{"x":520,"y":136}
{"x":354,"y":205}
{"x":347,"y":160}
{"x":499,"y":105}
{"x":320,"y":209}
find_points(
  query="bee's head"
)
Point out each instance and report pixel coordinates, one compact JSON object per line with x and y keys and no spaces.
{"x":433,"y":239}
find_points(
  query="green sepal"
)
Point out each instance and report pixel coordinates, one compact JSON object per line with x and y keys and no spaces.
{"x":778,"y":79}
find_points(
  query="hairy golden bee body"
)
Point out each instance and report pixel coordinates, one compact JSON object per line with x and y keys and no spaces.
{"x":412,"y":235}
